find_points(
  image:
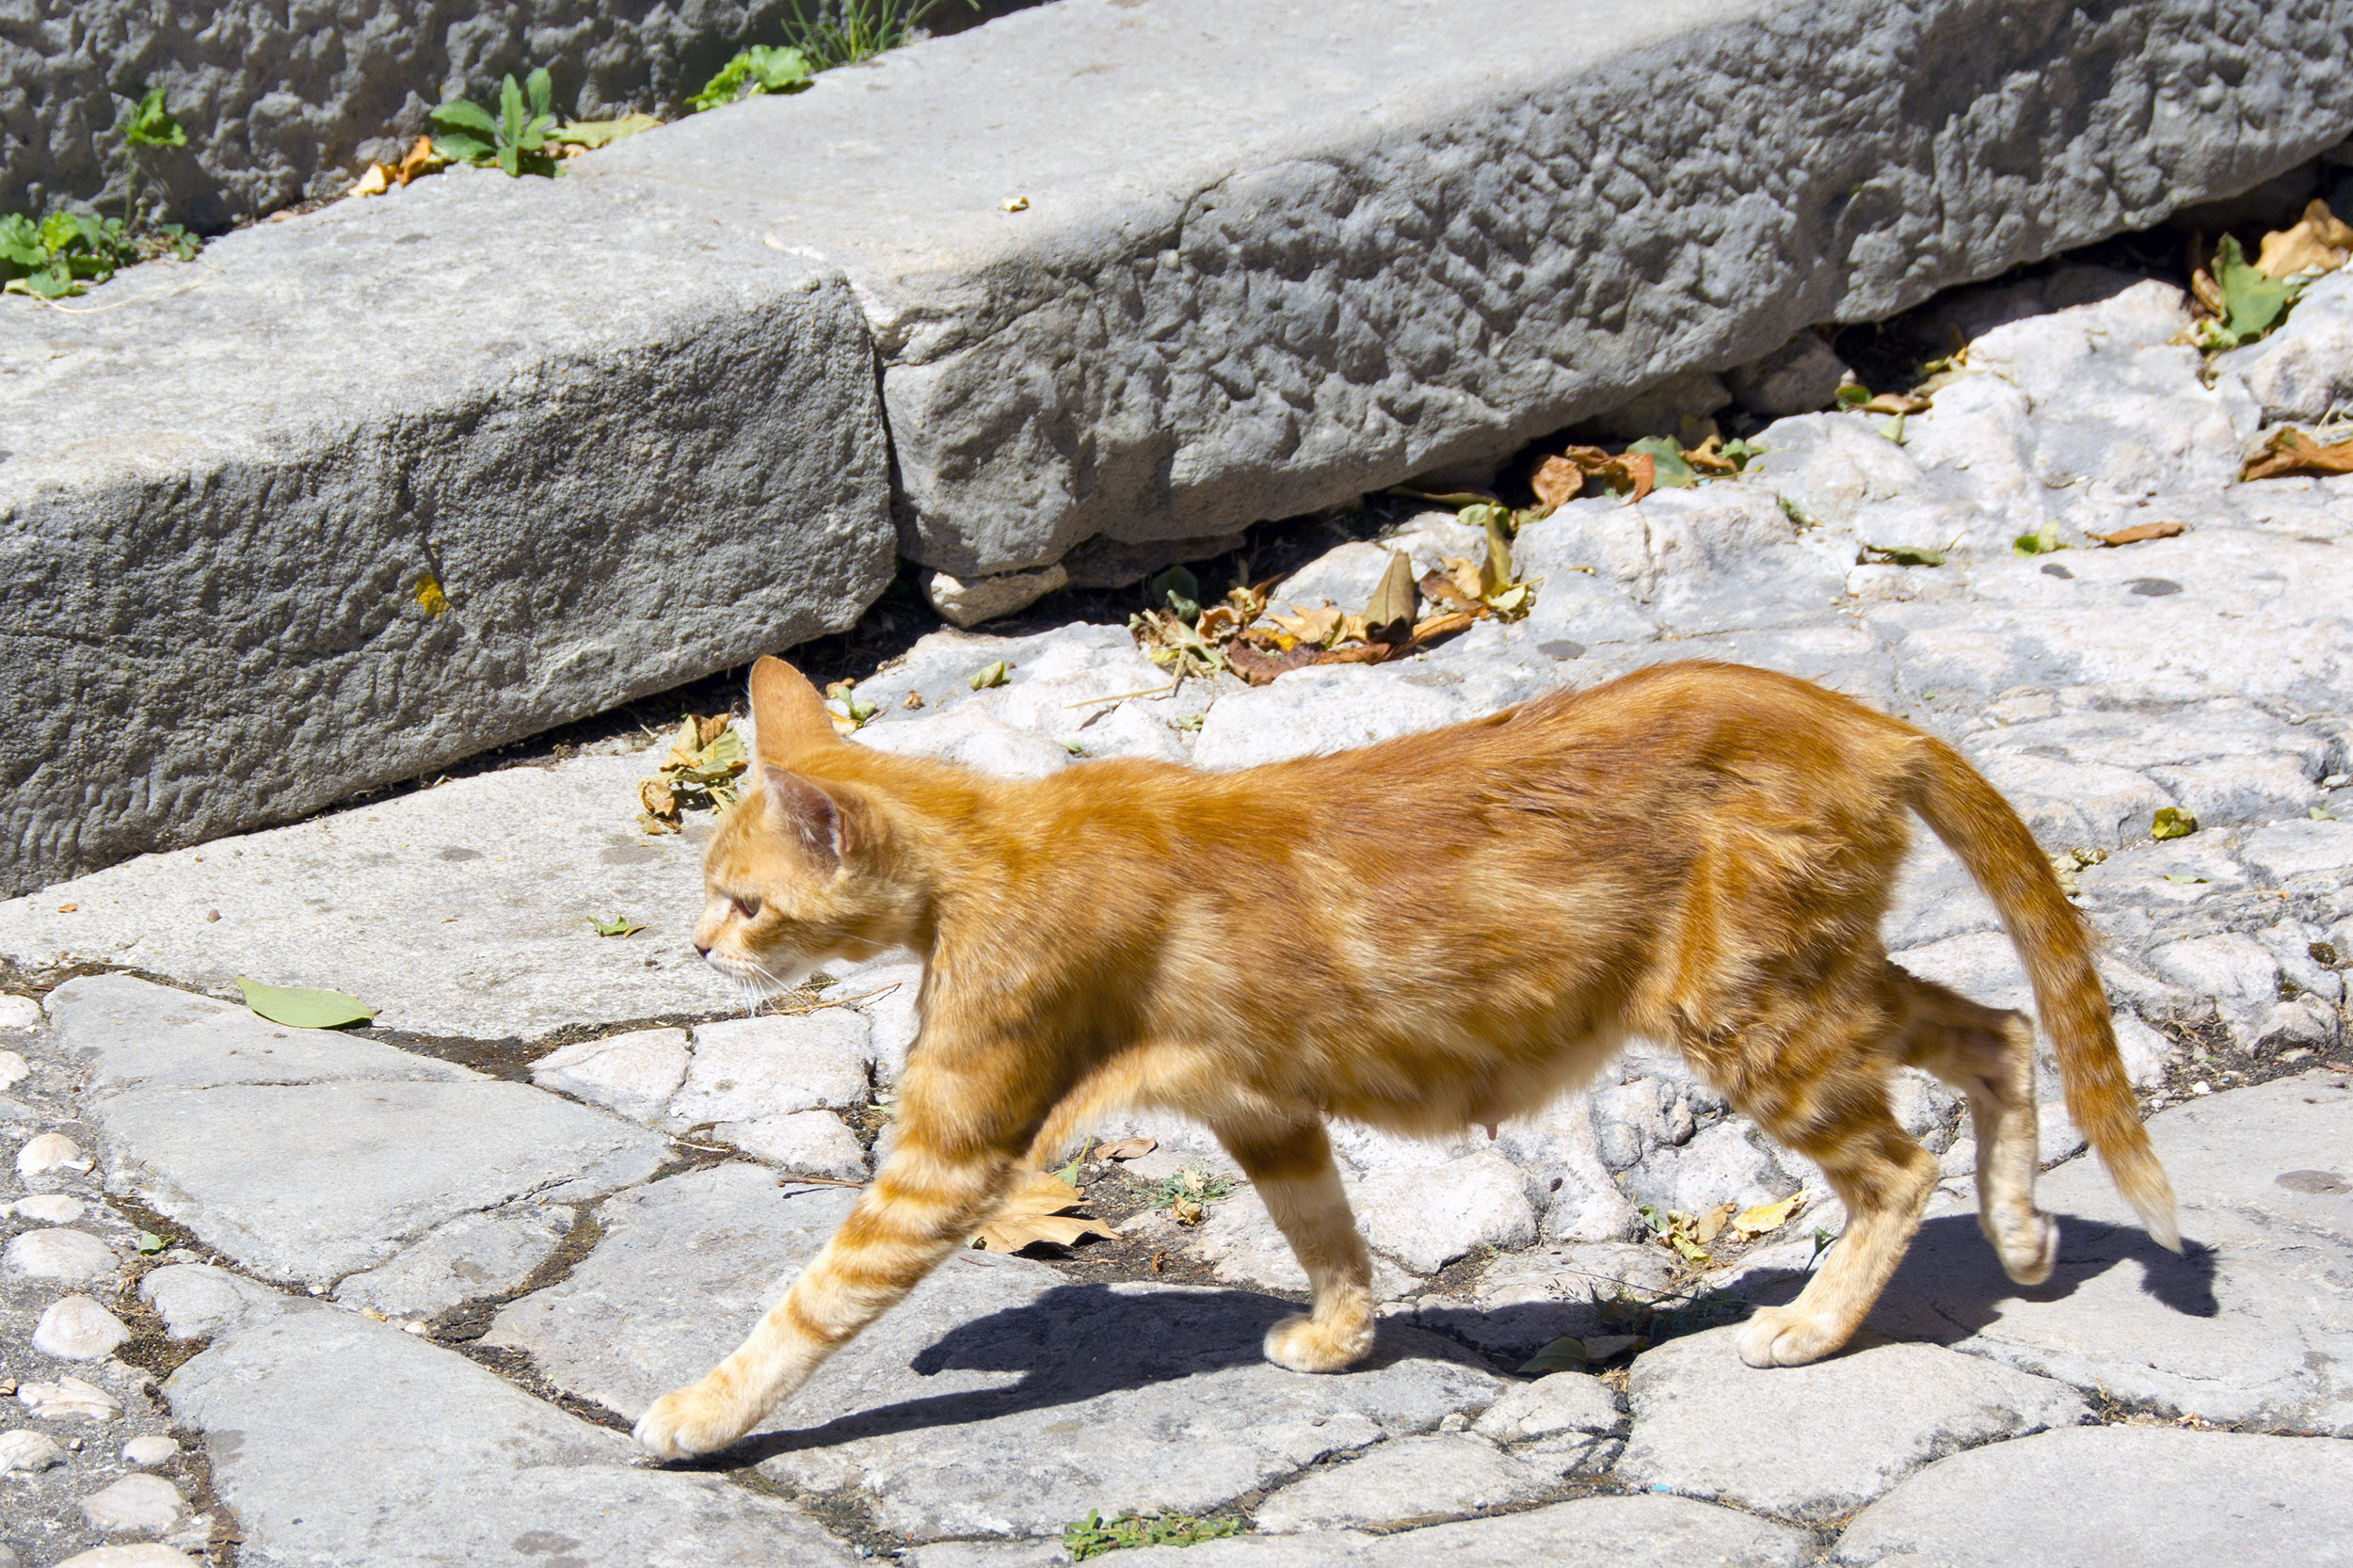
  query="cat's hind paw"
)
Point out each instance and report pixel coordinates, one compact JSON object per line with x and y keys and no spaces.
{"x":1305,"y":1345}
{"x":1783,"y":1337}
{"x":689,"y":1421}
{"x":2025,"y":1240}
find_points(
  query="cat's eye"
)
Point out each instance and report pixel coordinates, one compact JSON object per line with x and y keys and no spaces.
{"x":746,"y":906}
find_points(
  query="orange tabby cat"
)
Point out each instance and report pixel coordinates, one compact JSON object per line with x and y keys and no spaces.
{"x":1447,"y":929}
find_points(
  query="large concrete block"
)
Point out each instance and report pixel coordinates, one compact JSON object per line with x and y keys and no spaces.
{"x":629,"y":447}
{"x":283,"y":102}
{"x":1274,"y":256}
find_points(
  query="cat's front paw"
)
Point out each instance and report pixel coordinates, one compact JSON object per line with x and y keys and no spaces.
{"x":1305,"y":1345}
{"x":693,"y":1421}
{"x":1783,"y":1336}
{"x":2025,"y":1240}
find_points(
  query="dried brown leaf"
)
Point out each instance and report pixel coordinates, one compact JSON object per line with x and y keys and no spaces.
{"x":1034,"y":1213}
{"x":1391,"y":612}
{"x":2319,"y":239}
{"x":2291,"y":451}
{"x":1258,"y":665}
{"x":1127,"y":1148}
{"x":2141,"y":532}
{"x":1319,"y":627}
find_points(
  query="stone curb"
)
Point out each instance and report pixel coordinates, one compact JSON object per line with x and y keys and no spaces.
{"x":1263,"y":260}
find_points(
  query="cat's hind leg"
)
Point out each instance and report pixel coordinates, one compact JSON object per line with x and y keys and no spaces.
{"x":1988,"y":1054}
{"x":1837,"y":1115}
{"x":1289,"y":1162}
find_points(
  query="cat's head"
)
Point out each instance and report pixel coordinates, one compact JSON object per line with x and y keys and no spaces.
{"x":803,"y":868}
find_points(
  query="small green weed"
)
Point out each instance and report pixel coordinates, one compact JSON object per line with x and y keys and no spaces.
{"x":761,"y":68}
{"x":2246,"y":303}
{"x":1190,"y":1186}
{"x":846,"y":31}
{"x":1092,"y":1537}
{"x":516,"y":139}
{"x":144,"y":124}
{"x":65,"y":252}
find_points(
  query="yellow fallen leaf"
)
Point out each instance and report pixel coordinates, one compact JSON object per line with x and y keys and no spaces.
{"x":1755,"y":1222}
{"x":1127,"y":1148}
{"x":1318,"y":627}
{"x":2319,"y":239}
{"x":1034,"y":1213}
{"x":1711,"y":1223}
{"x":376,"y":182}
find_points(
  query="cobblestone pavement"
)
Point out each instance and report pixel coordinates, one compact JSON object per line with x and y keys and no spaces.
{"x":392,"y":1296}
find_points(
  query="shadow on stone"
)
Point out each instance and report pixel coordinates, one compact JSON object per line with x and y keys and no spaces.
{"x":1076,"y":1343}
{"x":1950,"y":1286}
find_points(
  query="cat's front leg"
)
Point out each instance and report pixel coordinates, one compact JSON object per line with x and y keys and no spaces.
{"x":922,"y":1205}
{"x":1290,"y":1165}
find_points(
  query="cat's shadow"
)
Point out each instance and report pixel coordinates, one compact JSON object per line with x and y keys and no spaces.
{"x":1078,"y":1342}
{"x":1075,"y":1343}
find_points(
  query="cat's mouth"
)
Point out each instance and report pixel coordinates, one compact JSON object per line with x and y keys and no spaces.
{"x":761,"y":980}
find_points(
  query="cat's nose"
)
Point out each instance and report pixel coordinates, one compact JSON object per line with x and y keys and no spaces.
{"x":702,"y":950}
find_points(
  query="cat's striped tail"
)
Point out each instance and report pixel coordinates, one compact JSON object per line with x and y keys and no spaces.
{"x":1978,"y":825}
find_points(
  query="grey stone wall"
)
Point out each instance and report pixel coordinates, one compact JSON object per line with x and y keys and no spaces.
{"x":286,"y":102}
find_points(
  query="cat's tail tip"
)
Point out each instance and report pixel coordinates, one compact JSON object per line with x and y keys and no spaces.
{"x":2138,"y":1175}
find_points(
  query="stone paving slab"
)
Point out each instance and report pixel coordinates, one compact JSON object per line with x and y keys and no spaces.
{"x":2253,"y":1325}
{"x":968,"y":1408}
{"x":2117,"y":1497}
{"x":1815,"y":1443}
{"x":305,"y":1154}
{"x":446,"y":1464}
{"x":1595,"y":1532}
{"x":460,"y":909}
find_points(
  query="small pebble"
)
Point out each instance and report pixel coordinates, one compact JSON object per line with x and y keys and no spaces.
{"x":71,"y":1254}
{"x":78,"y":1329}
{"x":211,"y":914}
{"x":135,"y":1505}
{"x":150,"y":1448}
{"x":18,"y":1015}
{"x":68,"y":1396}
{"x":51,"y":1151}
{"x":26,"y":1449}
{"x":147,"y":1554}
{"x":50,"y":1208}
{"x":14,"y":1069}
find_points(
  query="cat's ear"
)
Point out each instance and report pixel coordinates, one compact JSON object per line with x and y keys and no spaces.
{"x":828,"y":823}
{"x":789,"y":718}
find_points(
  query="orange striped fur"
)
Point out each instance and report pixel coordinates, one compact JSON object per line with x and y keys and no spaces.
{"x":1443,"y":930}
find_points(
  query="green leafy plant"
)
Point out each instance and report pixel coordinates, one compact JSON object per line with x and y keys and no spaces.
{"x":144,"y":124}
{"x":2246,"y":303}
{"x":845,"y":31}
{"x":62,"y":253}
{"x":516,"y":139}
{"x":1093,"y":1536}
{"x":762,"y":68}
{"x":1190,"y":1185}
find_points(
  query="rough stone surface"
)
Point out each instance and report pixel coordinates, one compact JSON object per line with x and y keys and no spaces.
{"x":309,"y":1158}
{"x":1293,"y":287}
{"x":635,"y":1074}
{"x":462,"y":1467}
{"x":474,"y":1255}
{"x":1440,"y":1473}
{"x":461,"y":909}
{"x":150,"y":1449}
{"x":135,"y":1505}
{"x":75,"y":1328}
{"x":1555,"y":1403}
{"x":273,"y":116}
{"x":1278,"y":368}
{"x":243,"y":574}
{"x":198,"y":1300}
{"x":747,"y":1068}
{"x":949,"y":1409}
{"x":147,"y":1554}
{"x":61,"y":1255}
{"x":1594,"y":1532}
{"x":812,"y":1142}
{"x":2117,"y":1497}
{"x":2249,"y":1327}
{"x":1706,"y":1426}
